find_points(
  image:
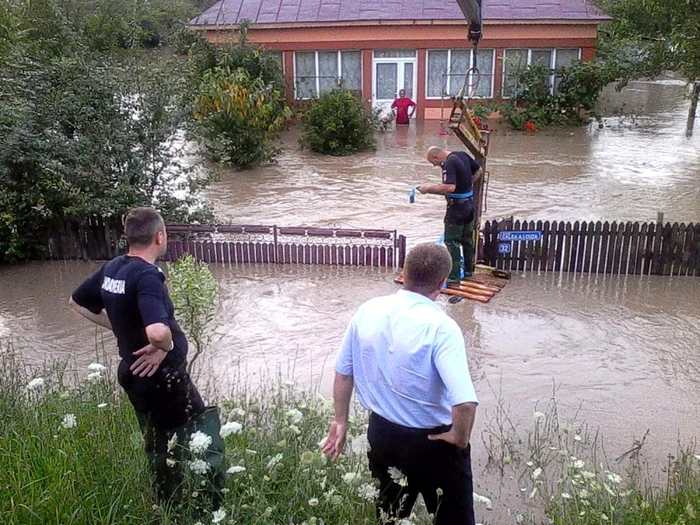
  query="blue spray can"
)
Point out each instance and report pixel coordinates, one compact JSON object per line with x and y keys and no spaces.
{"x":412,"y":196}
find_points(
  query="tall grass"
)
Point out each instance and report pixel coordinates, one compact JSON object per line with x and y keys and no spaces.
{"x":71,"y":453}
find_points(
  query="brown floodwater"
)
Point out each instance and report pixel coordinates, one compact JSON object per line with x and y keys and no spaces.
{"x":622,"y":352}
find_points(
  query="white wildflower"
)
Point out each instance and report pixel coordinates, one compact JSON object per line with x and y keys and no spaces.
{"x":583,"y":493}
{"x":64,"y":395}
{"x":96,"y":367}
{"x":579,"y":463}
{"x":519,"y":518}
{"x":274,"y":461}
{"x":199,"y":443}
{"x":313,"y":502}
{"x":604,"y":516}
{"x":236,"y":412}
{"x":251,"y":451}
{"x":351,"y":477}
{"x":69,"y":421}
{"x":230,"y":428}
{"x":536,"y":473}
{"x":587,"y":474}
{"x":483,"y":499}
{"x":529,"y":463}
{"x":172,"y":442}
{"x":170,"y":462}
{"x":397,"y":476}
{"x":368,"y":491}
{"x":36,"y":383}
{"x":218,"y":516}
{"x":102,"y":405}
{"x":533,"y":492}
{"x":94,"y":376}
{"x":566,"y":495}
{"x":578,"y":437}
{"x":199,"y":523}
{"x":697,"y":457}
{"x":288,"y":383}
{"x":360,"y":445}
{"x":538,"y":416}
{"x":439,"y":492}
{"x":614,"y":478}
{"x":236,"y":469}
{"x":294,"y":415}
{"x":199,"y":466}
{"x":295,"y":429}
{"x":322,"y":442}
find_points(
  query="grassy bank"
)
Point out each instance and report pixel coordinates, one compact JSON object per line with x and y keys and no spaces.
{"x":74,"y":456}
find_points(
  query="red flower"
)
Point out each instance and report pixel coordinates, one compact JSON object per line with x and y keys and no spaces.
{"x":529,"y":126}
{"x":477,"y":122}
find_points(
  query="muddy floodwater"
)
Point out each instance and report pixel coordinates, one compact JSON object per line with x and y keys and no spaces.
{"x":622,"y":351}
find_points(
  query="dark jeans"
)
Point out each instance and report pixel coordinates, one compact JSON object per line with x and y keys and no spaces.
{"x":427,"y":465}
{"x":167,"y":404}
{"x":459,"y":237}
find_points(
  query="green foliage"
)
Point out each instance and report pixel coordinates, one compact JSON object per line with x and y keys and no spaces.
{"x":577,"y":91}
{"x":239,"y":101}
{"x":648,"y":37}
{"x":195,"y":294}
{"x":238,"y":116}
{"x":83,"y":136}
{"x":338,"y":124}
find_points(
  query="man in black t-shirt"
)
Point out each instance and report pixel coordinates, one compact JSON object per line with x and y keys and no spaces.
{"x":128,"y":296}
{"x":459,"y":171}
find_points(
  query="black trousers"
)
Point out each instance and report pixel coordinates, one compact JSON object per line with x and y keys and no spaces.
{"x":440,"y":472}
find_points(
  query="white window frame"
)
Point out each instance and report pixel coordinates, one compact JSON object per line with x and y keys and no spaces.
{"x":471,"y":61}
{"x":552,"y":63}
{"x":339,"y":69}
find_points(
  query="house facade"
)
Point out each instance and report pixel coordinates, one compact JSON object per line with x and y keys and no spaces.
{"x":378,"y":47}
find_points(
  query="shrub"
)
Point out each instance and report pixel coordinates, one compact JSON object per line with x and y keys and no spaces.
{"x":238,"y":116}
{"x":338,"y":124}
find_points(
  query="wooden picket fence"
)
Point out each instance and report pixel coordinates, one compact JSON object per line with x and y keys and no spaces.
{"x":98,"y":238}
{"x":596,"y":247}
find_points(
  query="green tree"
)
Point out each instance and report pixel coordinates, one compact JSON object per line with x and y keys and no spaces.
{"x":195,"y":295}
{"x":648,"y":37}
{"x":338,"y":124}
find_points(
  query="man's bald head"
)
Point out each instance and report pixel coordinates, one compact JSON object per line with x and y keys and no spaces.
{"x":436,"y":155}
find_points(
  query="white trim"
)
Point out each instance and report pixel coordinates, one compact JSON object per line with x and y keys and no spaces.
{"x":449,"y":62}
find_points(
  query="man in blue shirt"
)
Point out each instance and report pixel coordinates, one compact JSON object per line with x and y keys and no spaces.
{"x":408,"y":361}
{"x":459,"y":171}
{"x":128,"y":296}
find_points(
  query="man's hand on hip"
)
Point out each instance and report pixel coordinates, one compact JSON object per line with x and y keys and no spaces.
{"x":449,"y":437}
{"x":335,"y":442}
{"x":149,"y":359}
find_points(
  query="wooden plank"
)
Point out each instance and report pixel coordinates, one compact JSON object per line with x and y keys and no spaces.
{"x":575,"y":238}
{"x":544,"y":247}
{"x":552,"y":246}
{"x":694,"y":259}
{"x":671,"y":245}
{"x":533,"y":255}
{"x":566,"y":247}
{"x":612,"y":242}
{"x":634,"y":249}
{"x":619,"y":237}
{"x":648,"y":254}
{"x":657,"y":252}
{"x":515,"y":250}
{"x":585,"y":263}
{"x":685,"y":250}
{"x":559,"y":254}
{"x":603,"y":251}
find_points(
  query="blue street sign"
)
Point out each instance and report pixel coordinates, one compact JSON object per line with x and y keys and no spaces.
{"x":520,"y":236}
{"x":503,"y":248}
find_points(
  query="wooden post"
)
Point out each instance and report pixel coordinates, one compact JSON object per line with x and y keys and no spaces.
{"x":693,"y":109}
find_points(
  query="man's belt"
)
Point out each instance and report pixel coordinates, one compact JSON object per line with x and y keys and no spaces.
{"x":460,"y":196}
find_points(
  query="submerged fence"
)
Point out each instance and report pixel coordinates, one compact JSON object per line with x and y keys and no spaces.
{"x":545,"y":246}
{"x":593,"y":247}
{"x":96,"y":238}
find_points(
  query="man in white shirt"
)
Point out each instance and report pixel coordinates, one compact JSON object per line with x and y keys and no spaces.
{"x":409,"y":363}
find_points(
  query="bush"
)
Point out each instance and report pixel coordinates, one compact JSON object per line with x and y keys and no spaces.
{"x":338,"y":124}
{"x":238,"y":116}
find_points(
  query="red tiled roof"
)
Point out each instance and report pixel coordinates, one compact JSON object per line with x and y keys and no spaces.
{"x":230,"y":12}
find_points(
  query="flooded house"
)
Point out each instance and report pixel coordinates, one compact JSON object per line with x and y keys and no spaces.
{"x":379,"y":47}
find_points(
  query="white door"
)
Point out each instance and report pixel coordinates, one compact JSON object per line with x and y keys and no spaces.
{"x":392,"y":73}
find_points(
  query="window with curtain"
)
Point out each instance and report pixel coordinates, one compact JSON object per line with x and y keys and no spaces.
{"x":318,"y":72}
{"x":447,"y":69}
{"x":517,"y":60}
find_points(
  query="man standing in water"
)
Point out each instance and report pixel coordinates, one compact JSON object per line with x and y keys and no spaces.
{"x":402,"y":105}
{"x":128,"y":296}
{"x":408,"y":361}
{"x":459,"y":171}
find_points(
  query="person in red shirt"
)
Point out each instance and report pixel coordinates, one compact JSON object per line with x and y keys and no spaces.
{"x":401,"y":105}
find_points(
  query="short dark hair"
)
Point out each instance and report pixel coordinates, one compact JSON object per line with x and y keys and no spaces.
{"x":426,"y":266}
{"x":141,"y":226}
